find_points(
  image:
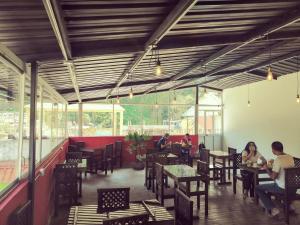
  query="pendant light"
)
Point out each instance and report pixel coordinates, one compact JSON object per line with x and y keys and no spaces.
{"x":248,"y":103}
{"x":270,"y":76}
{"x":158,"y":69}
{"x":118,"y":98}
{"x":156,"y":105}
{"x":298,"y":96}
{"x":131,"y":93}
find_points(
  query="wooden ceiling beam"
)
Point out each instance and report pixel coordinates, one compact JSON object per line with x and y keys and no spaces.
{"x":182,"y":7}
{"x":284,"y":20}
{"x":54,"y":13}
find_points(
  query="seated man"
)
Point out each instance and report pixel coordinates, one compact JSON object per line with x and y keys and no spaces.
{"x":281,"y":162}
{"x":162,"y":144}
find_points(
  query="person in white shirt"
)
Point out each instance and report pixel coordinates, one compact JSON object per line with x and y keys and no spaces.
{"x":281,"y":162}
{"x":250,"y":154}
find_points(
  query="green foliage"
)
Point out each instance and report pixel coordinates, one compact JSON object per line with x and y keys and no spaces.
{"x":136,"y":142}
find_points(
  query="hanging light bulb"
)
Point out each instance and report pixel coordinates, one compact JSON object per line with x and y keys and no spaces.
{"x":158,"y":69}
{"x":298,"y":98}
{"x":131,"y":93}
{"x":249,"y":104}
{"x":270,"y":74}
{"x":156,"y":105}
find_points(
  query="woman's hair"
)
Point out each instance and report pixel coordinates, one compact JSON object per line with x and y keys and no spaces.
{"x":247,"y":148}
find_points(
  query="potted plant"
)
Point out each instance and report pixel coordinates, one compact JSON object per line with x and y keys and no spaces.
{"x":137,"y":145}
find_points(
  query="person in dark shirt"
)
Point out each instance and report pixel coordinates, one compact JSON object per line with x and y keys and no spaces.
{"x":162,"y":144}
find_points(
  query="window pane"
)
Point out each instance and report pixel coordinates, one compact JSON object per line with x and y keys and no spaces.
{"x":72,"y":123}
{"x":182,"y":119}
{"x":9,"y":125}
{"x":26,"y":127}
{"x":97,"y":119}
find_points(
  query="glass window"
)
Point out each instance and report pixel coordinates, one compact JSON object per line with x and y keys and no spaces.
{"x":97,"y":119}
{"x":72,"y":120}
{"x":9,"y":125}
{"x":26,"y":127}
{"x":182,"y":119}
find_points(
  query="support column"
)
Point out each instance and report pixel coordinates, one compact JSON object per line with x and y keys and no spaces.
{"x":32,"y":138}
{"x":66,"y":120}
{"x":41,"y":121}
{"x":21,"y":121}
{"x":80,"y":119}
{"x":196,"y":110}
{"x":121,"y":123}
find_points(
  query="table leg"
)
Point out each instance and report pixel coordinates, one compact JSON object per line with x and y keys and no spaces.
{"x":223,"y":175}
{"x":256,"y":182}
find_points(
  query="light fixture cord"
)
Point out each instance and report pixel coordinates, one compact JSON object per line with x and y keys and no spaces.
{"x":298,"y":75}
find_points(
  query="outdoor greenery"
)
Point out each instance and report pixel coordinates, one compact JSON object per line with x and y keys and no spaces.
{"x":152,"y":115}
{"x":137,"y":143}
{"x":2,"y":186}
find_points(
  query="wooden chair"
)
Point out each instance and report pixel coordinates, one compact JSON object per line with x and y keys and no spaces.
{"x":80,"y":144}
{"x":65,"y":184}
{"x":231,"y":152}
{"x":176,"y":149}
{"x":73,"y":148}
{"x":161,"y":191}
{"x":108,"y":158}
{"x":183,"y":209}
{"x":112,"y":199}
{"x":216,"y":169}
{"x":76,"y":157}
{"x":149,"y":170}
{"x":297,"y":162}
{"x":118,"y":153}
{"x":195,"y":188}
{"x":21,"y":216}
{"x":141,"y":219}
{"x":292,"y":184}
{"x":237,"y":161}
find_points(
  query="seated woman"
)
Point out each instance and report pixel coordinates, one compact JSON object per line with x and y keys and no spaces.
{"x":249,"y":154}
{"x":186,"y":144}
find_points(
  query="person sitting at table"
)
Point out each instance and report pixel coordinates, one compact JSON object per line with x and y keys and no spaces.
{"x":250,"y":154}
{"x":186,"y":143}
{"x":162,"y":144}
{"x":281,"y":162}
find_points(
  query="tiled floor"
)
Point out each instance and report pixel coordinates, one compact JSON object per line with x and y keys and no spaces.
{"x":224,"y":206}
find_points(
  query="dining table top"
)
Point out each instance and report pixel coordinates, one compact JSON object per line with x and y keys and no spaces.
{"x":87,"y":214}
{"x":219,"y":154}
{"x":181,"y":172}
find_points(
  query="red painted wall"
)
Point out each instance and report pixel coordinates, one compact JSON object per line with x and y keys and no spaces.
{"x":43,"y":190}
{"x":100,"y":142}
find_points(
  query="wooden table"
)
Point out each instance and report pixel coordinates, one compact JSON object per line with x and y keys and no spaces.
{"x":182,"y":173}
{"x":256,"y":171}
{"x":87,"y":214}
{"x":222,"y":156}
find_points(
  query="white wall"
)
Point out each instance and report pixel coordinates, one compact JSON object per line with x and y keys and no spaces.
{"x":273,"y":115}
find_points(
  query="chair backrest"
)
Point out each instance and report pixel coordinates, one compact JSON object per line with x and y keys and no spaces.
{"x":203,"y":170}
{"x":74,"y":157}
{"x":66,"y":179}
{"x":204,"y":155}
{"x":22,"y":215}
{"x":161,"y":158}
{"x":150,"y":159}
{"x":237,"y":162}
{"x":155,"y":143}
{"x":231,"y":151}
{"x":112,"y":199}
{"x":292,"y":178}
{"x":109,"y":151}
{"x":297,"y":162}
{"x":118,"y":148}
{"x":176,"y":148}
{"x":73,"y":148}
{"x":183,"y":209}
{"x":159,"y":176}
{"x":80,"y":144}
{"x":138,"y":219}
{"x":201,"y":146}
